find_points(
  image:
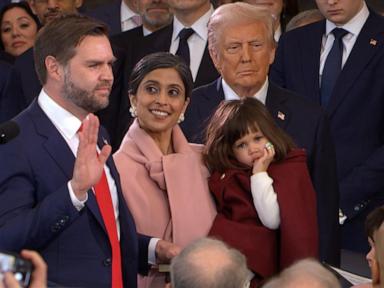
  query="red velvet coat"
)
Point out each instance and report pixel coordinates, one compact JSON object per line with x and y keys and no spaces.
{"x":237,"y":223}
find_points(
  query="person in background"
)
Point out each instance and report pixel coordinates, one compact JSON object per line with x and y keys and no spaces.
{"x":209,"y":263}
{"x":119,"y":15}
{"x":38,"y":277}
{"x":304,"y":18}
{"x":373,"y":225}
{"x":307,"y":273}
{"x":168,"y":195}
{"x":262,"y":188}
{"x":19,"y":27}
{"x":339,"y":62}
{"x":275,"y":7}
{"x":155,"y":14}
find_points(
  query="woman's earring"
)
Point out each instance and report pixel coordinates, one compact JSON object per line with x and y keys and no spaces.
{"x":181,"y":118}
{"x":133,"y":112}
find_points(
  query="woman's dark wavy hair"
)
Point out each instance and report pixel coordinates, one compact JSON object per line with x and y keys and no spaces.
{"x":234,"y":119}
{"x":21,"y":5}
{"x":160,"y":60}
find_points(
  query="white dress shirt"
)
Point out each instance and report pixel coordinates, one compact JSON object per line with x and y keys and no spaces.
{"x":68,"y":125}
{"x":353,"y":27}
{"x":197,"y":42}
{"x":263,"y":194}
{"x":260,"y":95}
{"x":126,"y":16}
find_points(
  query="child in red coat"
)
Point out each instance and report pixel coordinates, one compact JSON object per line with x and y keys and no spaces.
{"x":265,"y":199}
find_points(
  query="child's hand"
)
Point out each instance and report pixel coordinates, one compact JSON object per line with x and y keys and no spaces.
{"x":262,"y":164}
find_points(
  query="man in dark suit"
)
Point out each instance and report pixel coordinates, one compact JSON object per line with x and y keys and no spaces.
{"x":29,"y":85}
{"x":10,"y":104}
{"x":242,"y":48}
{"x":155,"y":14}
{"x":61,"y":193}
{"x":119,"y":15}
{"x":352,"y":98}
{"x":187,"y":14}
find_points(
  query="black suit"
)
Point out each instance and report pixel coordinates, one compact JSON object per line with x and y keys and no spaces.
{"x":110,"y":14}
{"x":309,"y":128}
{"x":161,"y":41}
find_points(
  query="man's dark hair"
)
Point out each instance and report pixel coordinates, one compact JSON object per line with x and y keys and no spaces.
{"x":60,"y":37}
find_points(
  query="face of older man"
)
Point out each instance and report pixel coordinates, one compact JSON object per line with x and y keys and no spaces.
{"x":242,"y":56}
{"x":47,"y":10}
{"x":155,"y":13}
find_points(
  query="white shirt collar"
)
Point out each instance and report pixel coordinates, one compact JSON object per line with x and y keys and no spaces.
{"x":200,"y":26}
{"x":354,"y":25}
{"x":125,"y":12}
{"x":64,"y":121}
{"x":146,"y":32}
{"x":260,"y":95}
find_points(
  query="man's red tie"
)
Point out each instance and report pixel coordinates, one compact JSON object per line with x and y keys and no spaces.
{"x":104,"y":200}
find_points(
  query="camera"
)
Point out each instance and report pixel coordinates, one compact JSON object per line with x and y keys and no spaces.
{"x":21,"y":268}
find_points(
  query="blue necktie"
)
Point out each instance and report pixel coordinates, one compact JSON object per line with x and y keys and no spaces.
{"x":183,"y":50}
{"x":332,"y":66}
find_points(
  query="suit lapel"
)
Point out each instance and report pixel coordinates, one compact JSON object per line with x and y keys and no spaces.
{"x":310,"y":48}
{"x":161,"y":41}
{"x":60,"y":152}
{"x":211,"y":99}
{"x":51,"y":140}
{"x":275,"y":105}
{"x":369,"y":42}
{"x":207,"y":71}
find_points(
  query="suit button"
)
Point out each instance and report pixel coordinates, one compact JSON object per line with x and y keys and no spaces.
{"x":55,"y":228}
{"x":357,"y":208}
{"x":107,"y":262}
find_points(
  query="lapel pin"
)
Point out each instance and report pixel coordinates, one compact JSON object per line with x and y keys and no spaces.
{"x":373,"y":42}
{"x":281,"y":115}
{"x":105,"y":141}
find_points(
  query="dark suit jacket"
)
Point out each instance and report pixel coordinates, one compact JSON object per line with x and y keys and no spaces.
{"x":4,"y":56}
{"x":125,"y":39}
{"x":28,"y":88}
{"x":36,"y":211}
{"x":109,"y":14}
{"x":355,"y":112}
{"x":161,"y":41}
{"x":308,"y":127}
{"x":11,"y":101}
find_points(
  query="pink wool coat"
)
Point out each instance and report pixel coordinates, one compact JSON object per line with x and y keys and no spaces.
{"x":167,"y":195}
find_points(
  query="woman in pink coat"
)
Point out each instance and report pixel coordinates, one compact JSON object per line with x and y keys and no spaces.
{"x":163,"y":177}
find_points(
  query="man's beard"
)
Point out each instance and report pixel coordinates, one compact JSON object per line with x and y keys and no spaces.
{"x":87,"y":100}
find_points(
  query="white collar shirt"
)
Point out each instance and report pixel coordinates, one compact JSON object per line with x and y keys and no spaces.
{"x":260,"y":95}
{"x":126,"y":16}
{"x":197,"y":42}
{"x":353,"y":27}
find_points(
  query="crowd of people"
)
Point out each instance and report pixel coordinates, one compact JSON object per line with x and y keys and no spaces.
{"x":141,"y":127}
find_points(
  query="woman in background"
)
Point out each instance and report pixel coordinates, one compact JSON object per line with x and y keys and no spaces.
{"x":19,"y":27}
